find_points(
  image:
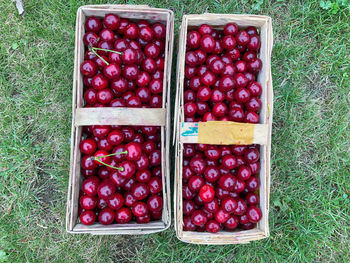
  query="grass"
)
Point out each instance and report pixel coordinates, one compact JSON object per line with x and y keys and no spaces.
{"x":310,"y":207}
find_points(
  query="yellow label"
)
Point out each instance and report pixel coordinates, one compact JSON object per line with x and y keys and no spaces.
{"x":225,"y":132}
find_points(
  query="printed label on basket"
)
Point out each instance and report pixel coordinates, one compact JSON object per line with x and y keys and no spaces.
{"x":224,"y":133}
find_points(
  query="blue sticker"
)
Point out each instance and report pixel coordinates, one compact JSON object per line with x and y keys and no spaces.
{"x":189,"y":131}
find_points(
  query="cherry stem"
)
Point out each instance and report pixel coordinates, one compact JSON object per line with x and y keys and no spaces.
{"x":93,"y":51}
{"x":102,"y":156}
{"x":108,"y":50}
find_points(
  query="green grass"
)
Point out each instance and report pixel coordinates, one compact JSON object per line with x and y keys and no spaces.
{"x":310,"y":207}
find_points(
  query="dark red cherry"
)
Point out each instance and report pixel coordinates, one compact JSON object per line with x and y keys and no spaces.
{"x":254,"y":214}
{"x":195,"y":83}
{"x":227,"y":83}
{"x":242,"y":95}
{"x":190,"y":71}
{"x":212,"y":206}
{"x":129,"y":56}
{"x":241,"y":207}
{"x":254,"y":42}
{"x":231,"y":29}
{"x":188,"y":207}
{"x":240,"y":185}
{"x":252,"y":199}
{"x":104,"y":96}
{"x":241,"y":80}
{"x":229,"y":204}
{"x":129,"y":199}
{"x":253,"y":104}
{"x":221,"y":193}
{"x":189,"y":150}
{"x":87,"y":163}
{"x":202,"y":56}
{"x":139,"y":209}
{"x":202,"y":107}
{"x":99,"y":82}
{"x":155,"y":158}
{"x":159,"y":30}
{"x":204,"y":93}
{"x":146,"y":33}
{"x":221,"y":216}
{"x":251,"y":117}
{"x":188,"y":225}
{"x":88,"y":173}
{"x":158,"y":75}
{"x":227,"y":182}
{"x":107,"y":35}
{"x":198,"y":218}
{"x":118,"y":180}
{"x":133,"y":102}
{"x":187,"y":193}
{"x":111,"y":21}
{"x":193,"y":39}
{"x":228,"y":42}
{"x":243,"y":219}
{"x":189,"y":96}
{"x":244,"y":173}
{"x":234,"y":54}
{"x":249,"y":55}
{"x":131,"y":31}
{"x":220,"y":109}
{"x":209,"y":116}
{"x":156,"y":86}
{"x":155,"y":185}
{"x":120,"y":45}
{"x":250,"y":76}
{"x":191,"y":58}
{"x":206,"y":193}
{"x":229,"y":70}
{"x":207,"y":43}
{"x":218,"y":47}
{"x":90,"y":39}
{"x":160,"y":63}
{"x":115,"y":137}
{"x":217,"y":66}
{"x":190,"y":109}
{"x":116,"y":201}
{"x":229,"y":162}
{"x":195,"y":183}
{"x":254,"y":65}
{"x":93,"y":24}
{"x":152,"y":51}
{"x":254,"y":89}
{"x":225,"y":151}
{"x":140,"y":191}
{"x":90,"y":185}
{"x":232,"y":222}
{"x":128,"y":169}
{"x":149,"y":65}
{"x":242,"y":38}
{"x":134,"y":151}
{"x":197,"y":165}
{"x":255,"y":168}
{"x":208,"y":78}
{"x":205,"y":29}
{"x":241,"y":66}
{"x":88,"y":68}
{"x":142,"y":162}
{"x":88,"y":217}
{"x":155,"y":203}
{"x":88,"y":146}
{"x":88,"y":202}
{"x":100,"y":131}
{"x":144,"y":94}
{"x":212,"y":152}
{"x":123,"y":215}
{"x":143,"y":219}
{"x":211,"y":58}
{"x":252,"y":184}
{"x":211,"y":174}
{"x":239,"y":149}
{"x":103,"y":144}
{"x":104,"y":45}
{"x":251,"y":30}
{"x":212,"y":226}
{"x":217,"y":96}
{"x":106,"y":189}
{"x":131,"y":72}
{"x":112,"y":71}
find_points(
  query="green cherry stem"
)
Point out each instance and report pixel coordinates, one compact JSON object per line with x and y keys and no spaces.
{"x":108,"y":50}
{"x":98,"y":159}
{"x":93,"y":51}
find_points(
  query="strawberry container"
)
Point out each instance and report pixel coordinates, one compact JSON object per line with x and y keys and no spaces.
{"x":186,"y":132}
{"x":119,"y":116}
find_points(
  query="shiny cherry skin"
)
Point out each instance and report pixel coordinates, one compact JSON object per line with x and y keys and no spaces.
{"x":229,"y":162}
{"x":99,"y":82}
{"x":228,"y":42}
{"x":255,"y":168}
{"x":155,"y":158}
{"x":253,"y":104}
{"x":217,"y":96}
{"x":87,"y":163}
{"x":252,"y":184}
{"x":243,"y":219}
{"x":242,"y":95}
{"x":195,"y":183}
{"x":229,"y":204}
{"x":131,"y":31}
{"x":250,"y":76}
{"x":188,"y":207}
{"x":254,"y":214}
{"x":112,"y":71}
{"x":221,"y":216}
{"x":227,"y":182}
{"x":152,"y":51}
{"x":156,"y":215}
{"x":90,"y":185}
{"x":209,"y":116}
{"x":115,"y":137}
{"x":106,"y":189}
{"x":241,"y":207}
{"x":218,"y":47}
{"x":220,"y":109}
{"x":198,"y":218}
{"x":252,"y":199}
{"x":123,"y":215}
{"x":88,"y":217}
{"x":190,"y":109}
{"x":244,"y":173}
{"x":221,"y":193}
{"x":88,"y":173}
{"x":188,"y":225}
{"x":101,"y":154}
{"x":106,"y":216}
{"x":155,"y":203}
{"x":88,"y":202}
{"x":217,"y":66}
{"x":142,"y":162}
{"x":227,"y":83}
{"x":107,"y":35}
{"x":111,"y":21}
{"x":88,"y":68}
{"x":116,"y":201}
{"x":189,"y":96}
{"x":251,"y":30}
{"x":119,"y":86}
{"x":208,"y":78}
{"x":239,"y":149}
{"x":242,"y":38}
{"x":254,"y":65}
{"x":231,"y":29}
{"x":134,"y":151}
{"x":254,"y":42}
{"x":241,"y":80}
{"x":131,"y":72}
{"x":202,"y":107}
{"x":93,"y":24}
{"x":156,"y":86}
{"x":104,"y":96}
{"x":140,"y":191}
{"x":129,"y":169}
{"x":195,"y":83}
{"x":202,"y":56}
{"x":155,"y":185}
{"x":156,"y":101}
{"x":143,"y":219}
{"x":197,"y":165}
{"x":103,"y":144}
{"x":239,"y":186}
{"x":100,"y":131}
{"x":139,"y":209}
{"x":211,"y":174}
{"x":254,"y":89}
{"x":190,"y":71}
{"x":205,"y":29}
{"x":90,"y":39}
{"x":206,"y":193}
{"x":232,"y":222}
{"x":207,"y":43}
{"x":187,"y":193}
{"x":191,"y":58}
{"x":212,"y":226}
{"x":88,"y":146}
{"x":146,"y":33}
{"x":90,"y":96}
{"x":212,"y":152}
{"x":193,"y":39}
{"x":204,"y":93}
{"x":159,"y":30}
{"x":129,"y":56}
{"x":212,"y":206}
{"x":129,"y":199}
{"x":229,"y":70}
{"x":251,"y":155}
{"x":234,"y":54}
{"x":249,"y":55}
{"x":241,"y":66}
{"x":149,"y":65}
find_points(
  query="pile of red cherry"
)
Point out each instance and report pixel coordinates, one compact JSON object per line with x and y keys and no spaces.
{"x":119,"y":195}
{"x":132,"y":76}
{"x":220,"y":183}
